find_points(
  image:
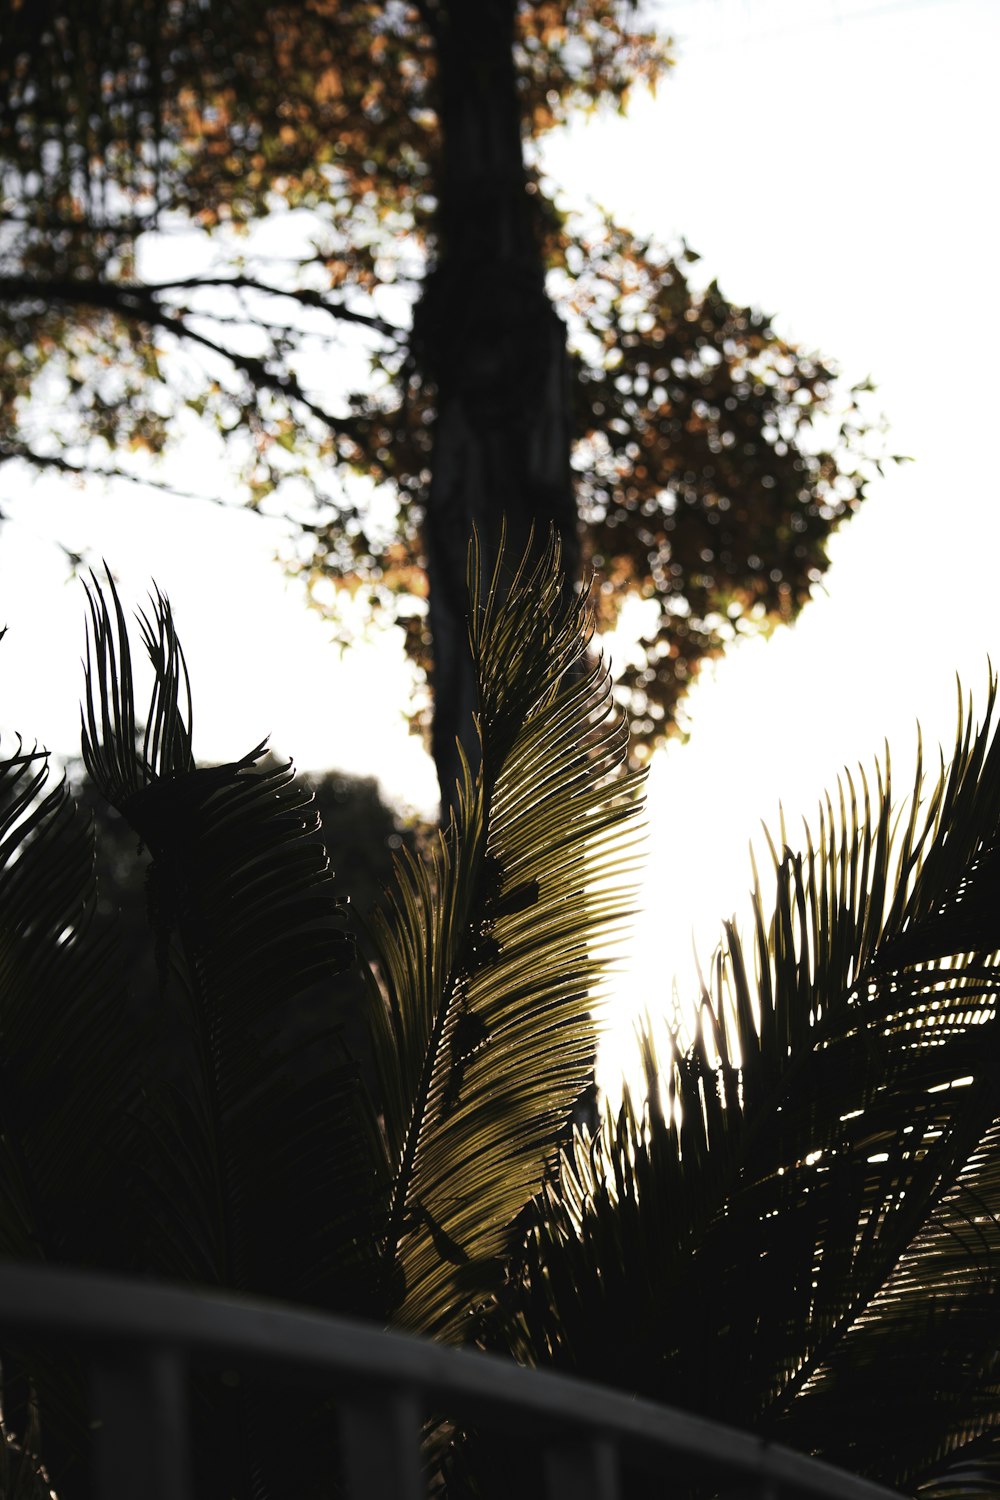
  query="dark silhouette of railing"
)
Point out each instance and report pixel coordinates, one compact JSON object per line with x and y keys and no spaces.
{"x":139,"y":1340}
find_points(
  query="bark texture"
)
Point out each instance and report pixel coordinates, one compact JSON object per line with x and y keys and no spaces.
{"x":489,"y":339}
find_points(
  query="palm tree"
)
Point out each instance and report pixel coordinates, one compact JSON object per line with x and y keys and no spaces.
{"x":192,"y":1141}
{"x":797,"y":1229}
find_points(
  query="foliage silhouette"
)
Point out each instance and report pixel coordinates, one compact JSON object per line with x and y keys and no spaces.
{"x":360,"y":833}
{"x":796,"y":1230}
{"x":250,"y":1172}
{"x":711,"y":459}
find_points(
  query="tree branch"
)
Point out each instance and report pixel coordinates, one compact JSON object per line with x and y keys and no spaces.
{"x":121,"y":297}
{"x":52,"y":461}
{"x":304,"y":296}
{"x":256,"y":370}
{"x":141,"y":303}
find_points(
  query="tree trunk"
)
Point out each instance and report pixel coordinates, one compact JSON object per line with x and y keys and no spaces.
{"x":489,"y":339}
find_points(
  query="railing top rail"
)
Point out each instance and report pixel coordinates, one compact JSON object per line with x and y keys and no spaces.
{"x":90,"y":1308}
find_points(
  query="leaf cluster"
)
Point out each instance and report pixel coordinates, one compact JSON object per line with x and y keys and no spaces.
{"x":215,"y":109}
{"x":219,"y":1132}
{"x":713,"y":461}
{"x":797,"y":1231}
{"x":794,"y":1230}
{"x":713,"y":458}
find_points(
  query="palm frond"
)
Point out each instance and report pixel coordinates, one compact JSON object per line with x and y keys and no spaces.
{"x":247,"y":923}
{"x":69,"y":1074}
{"x":811,"y":1197}
{"x":109,"y":729}
{"x":68,"y":1052}
{"x":973,"y":1473}
{"x":483,"y":1029}
{"x":261,"y":1165}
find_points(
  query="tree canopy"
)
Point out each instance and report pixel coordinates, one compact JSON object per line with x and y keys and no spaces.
{"x":712,"y":457}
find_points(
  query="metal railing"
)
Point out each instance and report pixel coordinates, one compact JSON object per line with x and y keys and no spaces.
{"x":139,"y":1341}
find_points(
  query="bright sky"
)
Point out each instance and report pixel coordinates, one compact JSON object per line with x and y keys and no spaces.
{"x":834,"y":162}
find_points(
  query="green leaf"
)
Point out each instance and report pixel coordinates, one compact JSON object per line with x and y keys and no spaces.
{"x":811,"y":1195}
{"x":488,"y":954}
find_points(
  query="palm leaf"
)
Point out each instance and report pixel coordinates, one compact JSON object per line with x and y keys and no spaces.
{"x":69,"y":1074}
{"x":68,"y":1048}
{"x":246,"y":923}
{"x":799,"y":1232}
{"x":483,"y":1027}
{"x":262,"y":1165}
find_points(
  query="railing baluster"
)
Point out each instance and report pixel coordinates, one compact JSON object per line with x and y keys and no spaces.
{"x":581,"y":1469}
{"x":380,"y":1435}
{"x":138,"y":1338}
{"x":140,"y":1420}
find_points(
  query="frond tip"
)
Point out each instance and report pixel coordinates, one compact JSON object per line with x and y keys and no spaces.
{"x":485,"y":1031}
{"x":109,"y":732}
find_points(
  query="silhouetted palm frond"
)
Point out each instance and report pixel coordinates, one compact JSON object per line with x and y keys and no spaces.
{"x":267,"y":1173}
{"x":800,"y":1231}
{"x":69,"y":1076}
{"x":262,"y":1166}
{"x":68,"y":1052}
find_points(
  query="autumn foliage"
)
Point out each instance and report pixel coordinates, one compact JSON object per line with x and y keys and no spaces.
{"x":713,"y":458}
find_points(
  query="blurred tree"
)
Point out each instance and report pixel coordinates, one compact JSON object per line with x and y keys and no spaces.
{"x":701,"y":460}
